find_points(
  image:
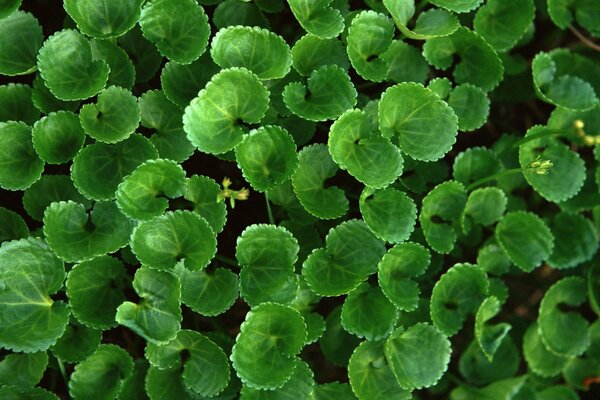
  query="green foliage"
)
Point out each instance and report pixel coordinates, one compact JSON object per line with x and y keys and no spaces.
{"x":58,"y":137}
{"x":22,"y":38}
{"x":20,"y":166}
{"x":102,"y":18}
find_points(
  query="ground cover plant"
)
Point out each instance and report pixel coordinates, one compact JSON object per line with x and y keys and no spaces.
{"x":299,"y":199}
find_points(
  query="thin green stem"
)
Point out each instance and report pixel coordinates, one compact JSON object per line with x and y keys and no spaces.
{"x":226,"y":260}
{"x":63,"y":371}
{"x":545,"y":133}
{"x":487,"y":179}
{"x":269,"y":211}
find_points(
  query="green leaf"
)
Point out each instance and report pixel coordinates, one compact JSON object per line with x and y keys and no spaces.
{"x":315,"y":166}
{"x":503,"y":23}
{"x":479,"y":63}
{"x":208,"y":293}
{"x":485,"y":206}
{"x":99,"y":167}
{"x":204,"y":192}
{"x":358,"y":317}
{"x":49,"y":189}
{"x":429,"y":24}
{"x":178,"y":28}
{"x":406,"y":63}
{"x":76,"y":235}
{"x":164,"y":240}
{"x":166,"y":384}
{"x":45,"y":101}
{"x":576,"y":240}
{"x":539,"y":359}
{"x":558,"y":392}
{"x":395,"y":270}
{"x":478,"y":370}
{"x":22,"y":37}
{"x":300,"y":386}
{"x":350,"y":255}
{"x":69,"y":70}
{"x":357,"y":146}
{"x":490,"y":337}
{"x":122,"y":71}
{"x":389,"y":213}
{"x":145,"y":193}
{"x":95,"y":289}
{"x":20,"y":166}
{"x":585,"y":12}
{"x":328,"y":93}
{"x":58,"y":137}
{"x":267,"y":157}
{"x":471,"y":105}
{"x":234,"y":12}
{"x":101,"y":376}
{"x":565,"y":333}
{"x":205,"y":368}
{"x":264,"y":354}
{"x":593,"y":279}
{"x":423,"y":124}
{"x":336,"y":344}
{"x":371,"y":376}
{"x":525,"y":239}
{"x":103,"y":18}
{"x":164,"y":118}
{"x":77,"y":343}
{"x":442,"y":206}
{"x":267,"y":254}
{"x":157,"y":318}
{"x":259,"y":50}
{"x":459,"y":6}
{"x":475,"y":163}
{"x":492,"y":259}
{"x":311,"y":52}
{"x":458,"y":292}
{"x":369,"y":36}
{"x":556,"y":86}
{"x":566,"y":175}
{"x":17,"y":393}
{"x":147,"y":60}
{"x":318,"y":17}
{"x":12,"y":226}
{"x":23,"y":370}
{"x":214,"y":120}
{"x":333,"y":391}
{"x":133,"y":386}
{"x":7,"y":7}
{"x":114,"y":116}
{"x":181,"y":83}
{"x":29,"y":274}
{"x":16,"y":104}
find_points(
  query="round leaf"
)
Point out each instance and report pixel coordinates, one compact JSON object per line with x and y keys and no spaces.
{"x":311,"y":52}
{"x":22,"y":369}
{"x":485,"y":206}
{"x":45,"y":101}
{"x":318,"y":17}
{"x":49,"y":189}
{"x":204,"y":192}
{"x":58,"y":137}
{"x":7,"y":7}
{"x":122,"y":71}
{"x":16,"y":104}
{"x":77,"y":343}
{"x":576,"y":240}
{"x":539,"y":359}
{"x":336,"y":344}
{"x":300,"y":386}
{"x":471,"y":105}
{"x":389,"y":213}
{"x":12,"y":226}
{"x":20,"y":166}
{"x":503,"y":23}
{"x":104,"y":18}
{"x":22,"y":37}
{"x":358,"y":317}
{"x":182,"y":82}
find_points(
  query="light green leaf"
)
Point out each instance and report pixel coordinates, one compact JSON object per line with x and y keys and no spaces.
{"x":29,"y":274}
{"x":76,"y":235}
{"x":423,"y":124}
{"x":350,"y":255}
{"x":539,"y":359}
{"x":356,"y":145}
{"x":311,"y":52}
{"x":12,"y":226}
{"x":358,"y":317}
{"x":95,"y":289}
{"x":104,"y":18}
{"x":300,"y":386}
{"x":164,"y":240}
{"x":203,"y":192}
{"x":471,"y":105}
{"x":157,"y":318}
{"x":318,"y":17}
{"x":459,"y":6}
{"x":69,"y":70}
{"x":58,"y":137}
{"x":22,"y":37}
{"x":16,"y":104}
{"x":258,"y":50}
{"x":429,"y":24}
{"x":264,"y":354}
{"x":20,"y":166}
{"x":503,"y":23}
{"x":525,"y":239}
{"x":484,"y":206}
{"x":178,"y":28}
{"x":490,"y":337}
{"x":23,"y":370}
{"x":214,"y":121}
{"x":389,"y":213}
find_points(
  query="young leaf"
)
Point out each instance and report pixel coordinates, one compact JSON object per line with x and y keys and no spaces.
{"x":76,"y":235}
{"x":318,"y":17}
{"x":101,"y":376}
{"x":77,"y":343}
{"x":311,"y":52}
{"x":423,"y":124}
{"x":204,"y":193}
{"x":371,"y":376}
{"x":22,"y":38}
{"x":539,"y":359}
{"x":315,"y":166}
{"x":20,"y":166}
{"x":182,"y":82}
{"x":300,"y":386}
{"x":164,"y":240}
{"x":350,"y":255}
{"x":29,"y":274}
{"x":358,"y":317}
{"x":205,"y":367}
{"x":58,"y":137}
{"x":490,"y":337}
{"x":458,"y":292}
{"x":12,"y":226}
{"x":158,"y":317}
{"x":95,"y":289}
{"x":258,"y":50}
{"x":267,"y":157}
{"x":357,"y":146}
{"x":503,"y":23}
{"x":264,"y":354}
{"x":525,"y":239}
{"x":576,"y":240}
{"x":214,"y":120}
{"x":16,"y":104}
{"x":429,"y":24}
{"x":114,"y":116}
{"x":389,"y":213}
{"x":327,"y":94}
{"x":144,"y":193}
{"x":70,"y":72}
{"x":395,"y":270}
{"x":22,"y":369}
{"x":103,"y":18}
{"x":471,"y":105}
{"x":99,"y":167}
{"x":178,"y":28}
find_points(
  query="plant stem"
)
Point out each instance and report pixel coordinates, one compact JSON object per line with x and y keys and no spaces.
{"x":63,"y":371}
{"x":269,"y":212}
{"x":226,"y":260}
{"x":500,"y":174}
{"x":584,"y":39}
